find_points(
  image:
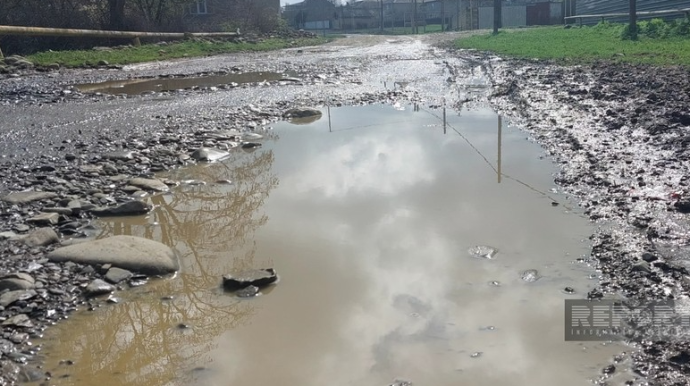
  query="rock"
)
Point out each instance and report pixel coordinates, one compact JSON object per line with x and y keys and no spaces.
{"x":206,"y":154}
{"x":58,"y":210}
{"x":129,"y":208}
{"x":250,"y":145}
{"x":302,"y":112}
{"x":150,"y":184}
{"x":116,"y":275}
{"x":482,"y":252}
{"x":44,"y":219}
{"x":530,"y":275}
{"x":8,"y":235}
{"x":19,"y":320}
{"x":251,"y":136}
{"x":29,"y":374}
{"x":26,"y":197}
{"x":248,"y":292}
{"x":78,"y":206}
{"x":16,"y":281}
{"x":21,"y":228}
{"x":119,"y":155}
{"x":10,"y":297}
{"x":128,"y":252}
{"x":98,"y":287}
{"x":41,"y":237}
{"x":138,"y":280}
{"x":682,"y":206}
{"x":255,"y":277}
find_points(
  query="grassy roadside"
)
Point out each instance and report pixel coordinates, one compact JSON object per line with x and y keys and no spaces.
{"x":586,"y":44}
{"x":153,"y":52}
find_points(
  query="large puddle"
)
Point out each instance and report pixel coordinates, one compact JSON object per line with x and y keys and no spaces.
{"x":368,"y":218}
{"x":140,"y":86}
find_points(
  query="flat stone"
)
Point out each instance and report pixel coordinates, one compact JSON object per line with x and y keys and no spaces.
{"x":119,"y":155}
{"x":19,"y":320}
{"x":129,"y":208}
{"x":255,"y":277}
{"x":248,"y":292}
{"x":128,"y":252}
{"x":150,"y":184}
{"x":116,"y":275}
{"x":302,"y":112}
{"x":9,"y":235}
{"x":98,"y":287}
{"x":58,"y":210}
{"x":44,"y":219}
{"x":10,"y":297}
{"x":41,"y":237}
{"x":206,"y":154}
{"x":482,"y":252}
{"x":26,"y":197}
{"x":16,"y":281}
{"x":530,"y":275}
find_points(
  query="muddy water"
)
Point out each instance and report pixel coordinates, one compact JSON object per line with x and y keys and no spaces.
{"x":368,"y":221}
{"x":140,"y":86}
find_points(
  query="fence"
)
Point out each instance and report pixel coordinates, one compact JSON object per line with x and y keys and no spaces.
{"x":618,"y":10}
{"x":602,"y":17}
{"x":133,"y":35}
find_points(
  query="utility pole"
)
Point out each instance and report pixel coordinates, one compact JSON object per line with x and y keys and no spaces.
{"x":497,"y":15}
{"x":414,"y":17}
{"x":381,"y":15}
{"x":633,"y":20}
{"x":443,"y":15}
{"x":457,"y":15}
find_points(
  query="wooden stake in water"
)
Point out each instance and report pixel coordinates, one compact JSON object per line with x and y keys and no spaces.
{"x":500,"y":124}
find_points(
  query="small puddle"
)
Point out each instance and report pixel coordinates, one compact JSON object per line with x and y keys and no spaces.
{"x":372,"y":218}
{"x":140,"y":86}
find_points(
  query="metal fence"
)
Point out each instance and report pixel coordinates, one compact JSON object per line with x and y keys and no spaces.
{"x":597,"y":7}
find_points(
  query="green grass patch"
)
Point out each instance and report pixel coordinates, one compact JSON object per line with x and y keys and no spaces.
{"x":153,"y":52}
{"x":658,"y":44}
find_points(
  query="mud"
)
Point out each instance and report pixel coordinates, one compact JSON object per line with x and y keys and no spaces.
{"x":618,"y":132}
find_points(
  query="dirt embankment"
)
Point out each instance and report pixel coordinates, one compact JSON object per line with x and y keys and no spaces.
{"x":621,"y":135}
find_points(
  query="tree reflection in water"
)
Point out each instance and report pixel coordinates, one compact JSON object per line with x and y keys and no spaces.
{"x":211,"y":227}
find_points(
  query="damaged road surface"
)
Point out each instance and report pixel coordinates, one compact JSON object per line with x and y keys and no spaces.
{"x":416,"y":236}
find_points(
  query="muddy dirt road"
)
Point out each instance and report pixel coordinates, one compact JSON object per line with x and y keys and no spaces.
{"x":618,"y":134}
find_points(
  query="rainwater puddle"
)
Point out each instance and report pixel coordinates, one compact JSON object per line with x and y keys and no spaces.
{"x":372,"y":222}
{"x":140,"y":86}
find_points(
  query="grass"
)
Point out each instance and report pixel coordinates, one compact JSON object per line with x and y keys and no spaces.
{"x":153,"y":52}
{"x":583,"y":45}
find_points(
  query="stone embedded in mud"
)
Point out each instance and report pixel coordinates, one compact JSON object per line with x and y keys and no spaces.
{"x":116,"y":275}
{"x":482,"y":252}
{"x":41,"y":237}
{"x":255,"y":277}
{"x":10,"y":297}
{"x":302,"y":112}
{"x":19,"y":320}
{"x":129,"y":208}
{"x":150,"y":184}
{"x":135,"y":254}
{"x":98,"y":287}
{"x":248,"y":292}
{"x":26,"y":197}
{"x":206,"y":154}
{"x":44,"y":219}
{"x":16,"y":281}
{"x":119,"y":155}
{"x":682,"y":206}
{"x":400,"y":382}
{"x":530,"y":275}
